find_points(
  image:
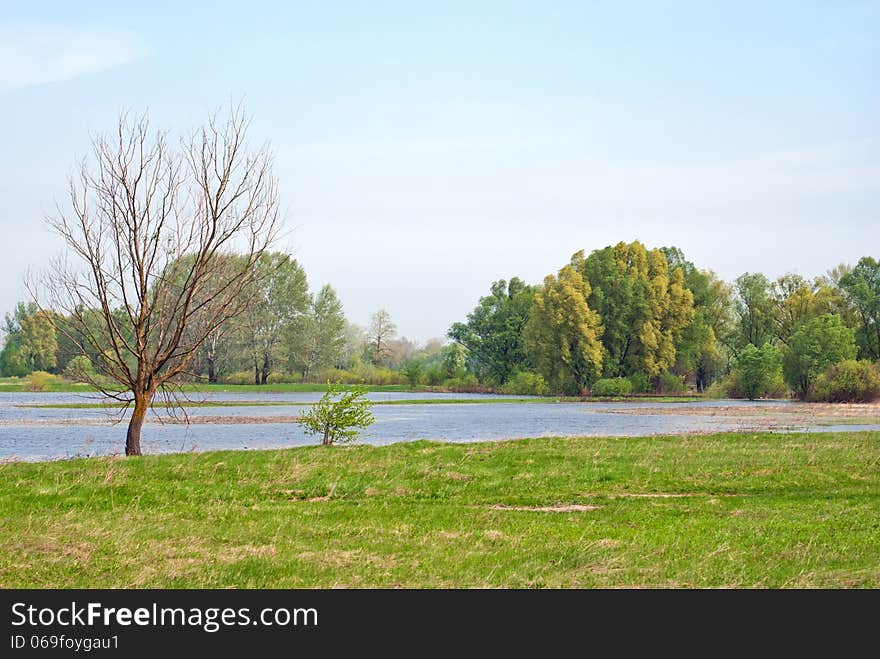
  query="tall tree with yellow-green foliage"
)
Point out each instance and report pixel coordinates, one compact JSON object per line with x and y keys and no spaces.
{"x":643,"y":305}
{"x":562,"y":336}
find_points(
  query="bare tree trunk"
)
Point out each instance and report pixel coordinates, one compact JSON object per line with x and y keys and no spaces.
{"x":326,"y":441}
{"x":256,"y":371}
{"x":264,"y":375}
{"x":133,"y":436}
{"x":212,"y":375}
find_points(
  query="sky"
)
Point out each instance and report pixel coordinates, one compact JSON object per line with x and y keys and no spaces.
{"x":426,"y":149}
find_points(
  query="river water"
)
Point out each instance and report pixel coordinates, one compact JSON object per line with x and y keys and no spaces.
{"x":28,"y":433}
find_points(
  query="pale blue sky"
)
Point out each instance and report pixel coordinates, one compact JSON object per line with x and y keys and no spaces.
{"x":426,"y":149}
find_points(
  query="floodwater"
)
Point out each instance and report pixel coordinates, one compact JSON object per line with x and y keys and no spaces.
{"x":29,"y":433}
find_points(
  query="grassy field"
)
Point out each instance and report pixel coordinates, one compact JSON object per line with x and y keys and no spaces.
{"x":767,"y":510}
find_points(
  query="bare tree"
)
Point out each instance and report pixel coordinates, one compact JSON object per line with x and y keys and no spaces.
{"x":150,"y":231}
{"x":381,"y":331}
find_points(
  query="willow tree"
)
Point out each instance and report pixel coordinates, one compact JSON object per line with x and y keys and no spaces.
{"x":644,"y":307}
{"x":149,"y":229}
{"x":562,"y":333}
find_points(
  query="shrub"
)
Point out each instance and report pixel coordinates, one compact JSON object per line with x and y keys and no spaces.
{"x":777,"y":388}
{"x":757,"y":369}
{"x":465,"y":383}
{"x":670,"y":383}
{"x":817,"y":343}
{"x":435,"y":374}
{"x":524,"y":383}
{"x":848,"y":381}
{"x":612,"y":387}
{"x":414,"y":371}
{"x":239,"y":377}
{"x":730,"y":386}
{"x":717,"y":389}
{"x":283,"y":378}
{"x":80,"y":369}
{"x":39,"y":381}
{"x":339,"y":416}
{"x":641,"y":383}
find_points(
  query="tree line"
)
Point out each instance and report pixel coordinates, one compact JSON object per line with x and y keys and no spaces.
{"x":622,"y":320}
{"x":628,"y":319}
{"x":285,"y":332}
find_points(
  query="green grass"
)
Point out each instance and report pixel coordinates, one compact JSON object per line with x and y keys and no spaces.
{"x":759,"y":510}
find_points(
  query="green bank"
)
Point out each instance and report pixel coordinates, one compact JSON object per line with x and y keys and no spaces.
{"x":727,"y":510}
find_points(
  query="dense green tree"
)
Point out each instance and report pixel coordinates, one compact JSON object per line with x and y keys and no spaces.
{"x":643,"y":305}
{"x":318,"y":336}
{"x":697,"y":349}
{"x":30,"y":343}
{"x":862,"y":287}
{"x":493,"y":333}
{"x":793,"y":300}
{"x":278,"y":297}
{"x":453,"y":357}
{"x":757,"y":368}
{"x":562,"y":336}
{"x":818,"y":342}
{"x":753,"y":309}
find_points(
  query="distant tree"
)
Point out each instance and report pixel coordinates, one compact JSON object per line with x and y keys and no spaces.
{"x":862,"y":287}
{"x":399,"y":351}
{"x":339,"y":416}
{"x":698,"y":348}
{"x":493,"y":333}
{"x":31,"y":343}
{"x":454,"y":360}
{"x":644,"y":306}
{"x":817,"y":343}
{"x":352,"y":345}
{"x":381,"y":331}
{"x":838,"y":272}
{"x":414,"y":370}
{"x":794,"y":300}
{"x":758,"y":368}
{"x":319,"y":336}
{"x":214,"y":356}
{"x":278,"y":296}
{"x":211,"y":352}
{"x":433,"y":346}
{"x":753,"y":310}
{"x":562,"y":334}
{"x":137,"y":209}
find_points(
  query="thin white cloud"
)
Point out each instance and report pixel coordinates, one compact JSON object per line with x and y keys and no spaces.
{"x":37,"y":54}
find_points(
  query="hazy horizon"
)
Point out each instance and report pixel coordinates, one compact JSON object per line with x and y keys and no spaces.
{"x":423,"y":153}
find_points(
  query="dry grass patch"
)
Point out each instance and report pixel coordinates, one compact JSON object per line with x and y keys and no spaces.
{"x":347,"y":558}
{"x":559,"y":508}
{"x":233,"y":554}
